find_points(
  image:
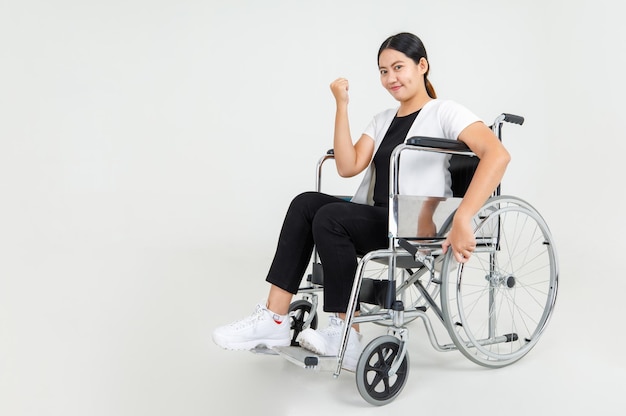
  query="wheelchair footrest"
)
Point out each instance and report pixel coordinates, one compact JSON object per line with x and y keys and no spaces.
{"x":307,"y":359}
{"x":263,"y":350}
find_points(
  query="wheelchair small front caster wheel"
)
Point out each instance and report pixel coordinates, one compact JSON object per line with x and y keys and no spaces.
{"x":299,"y":312}
{"x":373,"y":380}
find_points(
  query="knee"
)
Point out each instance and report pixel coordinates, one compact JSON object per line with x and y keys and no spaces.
{"x":307,"y":203}
{"x":304,"y":199}
{"x":328,"y":219}
{"x":304,"y":205}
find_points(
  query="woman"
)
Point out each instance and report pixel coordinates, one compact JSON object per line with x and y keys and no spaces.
{"x":340,"y":230}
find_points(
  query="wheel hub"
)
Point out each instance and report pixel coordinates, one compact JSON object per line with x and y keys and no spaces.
{"x":497,"y":279}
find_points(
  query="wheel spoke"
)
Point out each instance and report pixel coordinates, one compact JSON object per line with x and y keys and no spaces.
{"x":498,"y":303}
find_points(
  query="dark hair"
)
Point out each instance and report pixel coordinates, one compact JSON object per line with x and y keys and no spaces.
{"x":411,"y":46}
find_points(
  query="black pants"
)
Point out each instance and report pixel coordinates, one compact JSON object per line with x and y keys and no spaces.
{"x":340,"y":230}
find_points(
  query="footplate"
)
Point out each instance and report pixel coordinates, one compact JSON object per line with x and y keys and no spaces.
{"x":307,"y":359}
{"x":262,"y":349}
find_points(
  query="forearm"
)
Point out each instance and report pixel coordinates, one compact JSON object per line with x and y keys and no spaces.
{"x":350,"y":158}
{"x":488,"y":175}
{"x":345,"y":153}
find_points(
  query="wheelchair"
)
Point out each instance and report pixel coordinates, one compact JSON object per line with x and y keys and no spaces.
{"x":494,"y":308}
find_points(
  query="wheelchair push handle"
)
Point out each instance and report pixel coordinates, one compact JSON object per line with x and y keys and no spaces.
{"x":512,"y":118}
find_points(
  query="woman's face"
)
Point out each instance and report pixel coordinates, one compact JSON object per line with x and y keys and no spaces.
{"x":400,"y":75}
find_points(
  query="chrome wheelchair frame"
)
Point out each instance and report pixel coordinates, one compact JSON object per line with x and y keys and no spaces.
{"x":494,"y":308}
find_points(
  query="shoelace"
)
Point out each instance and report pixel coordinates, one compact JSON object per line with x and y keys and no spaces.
{"x":251,"y":320}
{"x":335,"y":328}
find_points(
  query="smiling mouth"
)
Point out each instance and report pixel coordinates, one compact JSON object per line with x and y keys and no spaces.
{"x":395,"y":88}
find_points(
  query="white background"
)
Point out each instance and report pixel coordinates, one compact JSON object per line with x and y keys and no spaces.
{"x":149,"y":149}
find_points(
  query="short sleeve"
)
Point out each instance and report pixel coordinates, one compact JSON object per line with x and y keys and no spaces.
{"x":454,"y":118}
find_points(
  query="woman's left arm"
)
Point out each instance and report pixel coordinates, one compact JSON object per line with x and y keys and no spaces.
{"x":494,"y":159}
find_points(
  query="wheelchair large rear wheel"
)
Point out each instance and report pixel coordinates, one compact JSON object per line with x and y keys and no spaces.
{"x":373,"y":380}
{"x":497,"y":305}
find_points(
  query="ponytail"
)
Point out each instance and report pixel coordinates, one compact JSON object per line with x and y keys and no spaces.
{"x":429,"y":88}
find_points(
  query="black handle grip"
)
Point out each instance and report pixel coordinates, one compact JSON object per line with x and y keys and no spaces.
{"x":512,"y":118}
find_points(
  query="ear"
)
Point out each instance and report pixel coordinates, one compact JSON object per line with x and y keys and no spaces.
{"x":423,"y":65}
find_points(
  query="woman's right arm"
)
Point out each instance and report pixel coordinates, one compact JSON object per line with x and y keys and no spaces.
{"x":350,"y":158}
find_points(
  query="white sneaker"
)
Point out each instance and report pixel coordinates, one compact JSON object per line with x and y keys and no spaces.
{"x":263,"y":327}
{"x":327,"y":342}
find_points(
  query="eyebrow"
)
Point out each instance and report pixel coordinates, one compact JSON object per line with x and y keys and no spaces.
{"x":393,"y":64}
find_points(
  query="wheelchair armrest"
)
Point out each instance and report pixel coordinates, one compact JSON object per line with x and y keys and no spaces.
{"x":439,"y":143}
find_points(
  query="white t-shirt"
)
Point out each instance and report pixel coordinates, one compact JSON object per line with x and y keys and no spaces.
{"x":421,"y":173}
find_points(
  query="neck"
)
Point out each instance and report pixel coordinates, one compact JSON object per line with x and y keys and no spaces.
{"x":412,"y":105}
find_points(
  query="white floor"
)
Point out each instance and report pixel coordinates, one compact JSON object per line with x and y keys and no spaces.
{"x":124,"y":331}
{"x":574,"y":368}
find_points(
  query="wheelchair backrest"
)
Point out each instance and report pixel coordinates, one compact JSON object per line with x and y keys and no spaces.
{"x":462,"y":170}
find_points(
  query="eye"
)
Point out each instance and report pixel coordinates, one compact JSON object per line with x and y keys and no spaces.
{"x":397,"y":67}
{"x":383,"y":71}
